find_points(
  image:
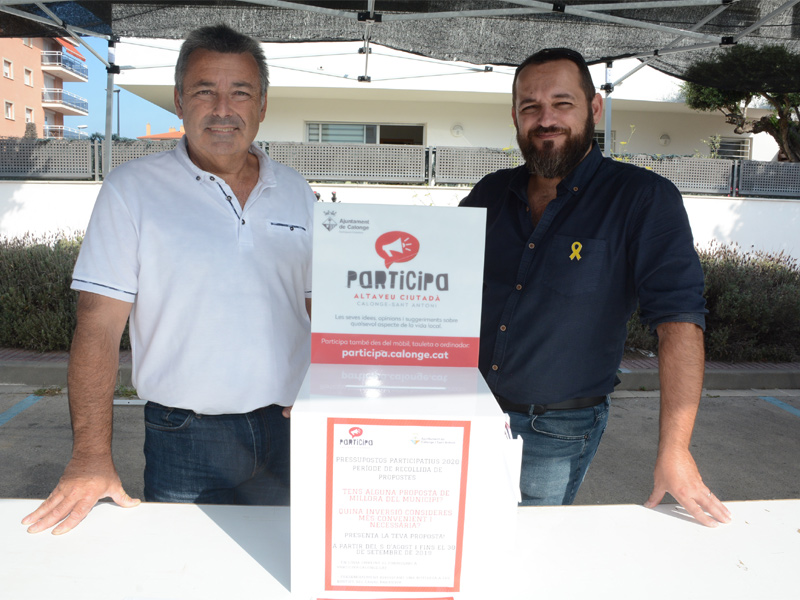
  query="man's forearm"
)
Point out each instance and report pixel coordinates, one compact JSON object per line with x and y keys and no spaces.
{"x":681,"y":362}
{"x":93,"y":366}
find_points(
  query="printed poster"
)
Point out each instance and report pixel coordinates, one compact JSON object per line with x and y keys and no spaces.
{"x":395,"y":499}
{"x":397,"y":285}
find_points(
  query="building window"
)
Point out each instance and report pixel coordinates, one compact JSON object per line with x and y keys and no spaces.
{"x":600,"y":138}
{"x":28,"y":114}
{"x":737,"y":148}
{"x":9,"y":110}
{"x":8,"y":69}
{"x":28,"y":42}
{"x":365,"y":133}
{"x":28,"y":76}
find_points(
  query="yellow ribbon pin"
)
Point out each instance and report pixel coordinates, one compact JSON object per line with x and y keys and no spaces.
{"x":576,"y":250}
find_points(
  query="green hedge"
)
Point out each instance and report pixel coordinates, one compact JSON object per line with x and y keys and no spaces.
{"x":37,"y":306}
{"x":753,"y":299}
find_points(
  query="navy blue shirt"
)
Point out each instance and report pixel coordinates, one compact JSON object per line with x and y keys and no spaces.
{"x":557,"y":297}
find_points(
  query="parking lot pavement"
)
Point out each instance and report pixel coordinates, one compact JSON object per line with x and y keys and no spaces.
{"x":36,"y":442}
{"x":746,"y":443}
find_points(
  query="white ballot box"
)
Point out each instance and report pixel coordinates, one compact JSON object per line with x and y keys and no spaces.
{"x":404,"y":481}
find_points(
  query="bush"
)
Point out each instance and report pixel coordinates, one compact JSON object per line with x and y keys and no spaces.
{"x":753,"y":299}
{"x":37,"y":306}
{"x":754,"y":305}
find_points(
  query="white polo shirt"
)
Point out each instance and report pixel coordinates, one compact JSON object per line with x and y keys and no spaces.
{"x":218,"y":323}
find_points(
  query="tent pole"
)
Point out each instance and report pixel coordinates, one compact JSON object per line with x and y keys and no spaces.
{"x":608,"y":87}
{"x":111,"y":69}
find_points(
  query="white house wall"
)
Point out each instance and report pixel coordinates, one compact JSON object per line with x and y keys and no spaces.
{"x":490,"y":124}
{"x":483,"y":124}
{"x":688,"y":133}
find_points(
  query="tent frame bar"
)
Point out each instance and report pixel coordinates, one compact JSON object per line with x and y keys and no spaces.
{"x":760,"y":22}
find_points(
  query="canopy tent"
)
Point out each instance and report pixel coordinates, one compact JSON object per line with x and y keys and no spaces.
{"x":668,"y":35}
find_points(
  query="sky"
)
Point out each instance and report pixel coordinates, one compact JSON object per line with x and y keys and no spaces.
{"x":135,"y":112}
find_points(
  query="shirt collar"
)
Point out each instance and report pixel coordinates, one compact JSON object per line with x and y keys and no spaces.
{"x":573,"y":183}
{"x":266,"y":174}
{"x":581,"y":175}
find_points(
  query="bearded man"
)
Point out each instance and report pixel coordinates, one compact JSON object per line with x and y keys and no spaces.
{"x":573,"y":242}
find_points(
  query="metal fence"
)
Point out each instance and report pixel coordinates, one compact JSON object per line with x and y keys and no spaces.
{"x":769,"y":179}
{"x":693,"y":175}
{"x":468,"y":165}
{"x":46,"y":159}
{"x":122,"y":152}
{"x":354,"y":162}
{"x":80,"y":159}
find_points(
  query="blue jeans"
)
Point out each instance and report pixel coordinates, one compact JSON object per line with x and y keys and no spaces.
{"x":216,"y":459}
{"x":557,"y":448}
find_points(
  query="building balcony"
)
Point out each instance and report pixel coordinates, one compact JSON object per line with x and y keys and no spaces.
{"x":65,"y":133}
{"x":64,"y":102}
{"x":64,"y":66}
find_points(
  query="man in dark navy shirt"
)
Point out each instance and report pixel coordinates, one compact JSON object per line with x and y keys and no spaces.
{"x":573,"y":241}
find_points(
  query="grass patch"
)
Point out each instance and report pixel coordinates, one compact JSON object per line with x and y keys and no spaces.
{"x":51,"y":390}
{"x":124,"y":391}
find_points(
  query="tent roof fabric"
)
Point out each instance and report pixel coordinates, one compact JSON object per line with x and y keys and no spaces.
{"x":475,"y":31}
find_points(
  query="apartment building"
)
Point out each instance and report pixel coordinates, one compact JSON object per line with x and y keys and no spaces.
{"x":32,"y":86}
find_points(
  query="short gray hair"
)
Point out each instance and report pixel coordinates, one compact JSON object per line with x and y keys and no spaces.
{"x":220,"y":38}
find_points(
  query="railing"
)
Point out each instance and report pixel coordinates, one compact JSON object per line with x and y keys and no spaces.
{"x":65,"y":98}
{"x":769,"y":179}
{"x":468,"y":165}
{"x":52,"y":159}
{"x":46,"y":159}
{"x":693,"y":175}
{"x":122,"y":152}
{"x":65,"y":133}
{"x":59,"y":59}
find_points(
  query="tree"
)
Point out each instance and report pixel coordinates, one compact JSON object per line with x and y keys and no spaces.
{"x":97,"y":136}
{"x":731,"y":80}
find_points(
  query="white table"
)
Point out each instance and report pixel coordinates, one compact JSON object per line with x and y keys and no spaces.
{"x":162,"y":551}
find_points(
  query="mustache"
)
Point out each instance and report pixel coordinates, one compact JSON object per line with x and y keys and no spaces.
{"x":545,"y":130}
{"x":221,"y":122}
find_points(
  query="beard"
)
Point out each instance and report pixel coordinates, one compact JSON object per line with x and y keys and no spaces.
{"x":549,"y":162}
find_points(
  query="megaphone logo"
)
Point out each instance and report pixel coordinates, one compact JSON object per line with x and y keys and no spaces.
{"x":396,"y":247}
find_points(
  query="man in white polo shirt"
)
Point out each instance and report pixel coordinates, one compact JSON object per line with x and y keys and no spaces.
{"x":208,"y":249}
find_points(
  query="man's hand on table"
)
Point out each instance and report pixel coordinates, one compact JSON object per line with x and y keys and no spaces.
{"x":83,"y":483}
{"x":676,"y":473}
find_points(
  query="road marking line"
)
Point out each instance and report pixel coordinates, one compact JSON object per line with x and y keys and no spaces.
{"x":787,"y":407}
{"x":18,"y":408}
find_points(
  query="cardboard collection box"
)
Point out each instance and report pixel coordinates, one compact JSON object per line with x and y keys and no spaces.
{"x":405,"y":481}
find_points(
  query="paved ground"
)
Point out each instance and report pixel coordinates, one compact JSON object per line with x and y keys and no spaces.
{"x":747,"y":443}
{"x":639,"y":374}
